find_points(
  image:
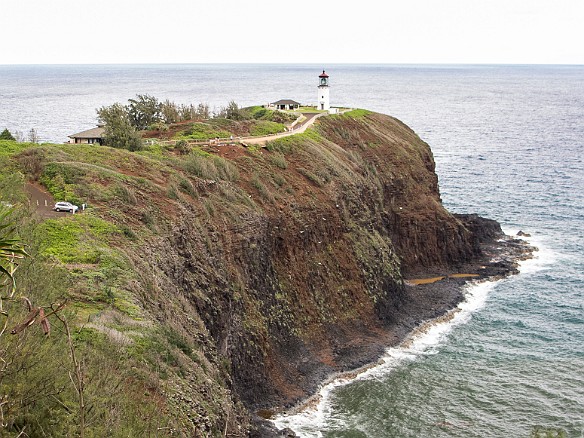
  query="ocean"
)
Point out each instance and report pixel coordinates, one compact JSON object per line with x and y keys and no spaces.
{"x":508,"y":143}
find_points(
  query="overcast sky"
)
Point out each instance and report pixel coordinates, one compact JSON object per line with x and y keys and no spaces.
{"x":292,"y":31}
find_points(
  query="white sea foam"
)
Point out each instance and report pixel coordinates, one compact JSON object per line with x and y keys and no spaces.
{"x":314,"y":415}
{"x":310,"y":419}
{"x":544,"y":256}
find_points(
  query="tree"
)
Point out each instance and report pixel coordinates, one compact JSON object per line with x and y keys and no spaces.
{"x":144,"y":111}
{"x":169,"y":112}
{"x":6,"y":135}
{"x":203,"y":111}
{"x":119,"y":131}
{"x":232,"y":111}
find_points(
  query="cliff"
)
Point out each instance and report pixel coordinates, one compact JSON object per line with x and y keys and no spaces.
{"x":233,"y":280}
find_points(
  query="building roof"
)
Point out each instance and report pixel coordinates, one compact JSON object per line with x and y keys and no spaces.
{"x":96,"y":132}
{"x":323,"y":75}
{"x":286,"y":102}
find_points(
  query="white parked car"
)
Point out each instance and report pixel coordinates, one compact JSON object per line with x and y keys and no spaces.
{"x":65,"y":206}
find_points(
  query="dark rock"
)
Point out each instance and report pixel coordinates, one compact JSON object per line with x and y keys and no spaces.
{"x":264,"y":429}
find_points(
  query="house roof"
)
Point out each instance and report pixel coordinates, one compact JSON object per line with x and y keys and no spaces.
{"x":286,"y":102}
{"x":96,"y":132}
{"x":323,"y":75}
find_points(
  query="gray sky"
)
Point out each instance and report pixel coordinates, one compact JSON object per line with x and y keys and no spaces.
{"x":294,"y":31}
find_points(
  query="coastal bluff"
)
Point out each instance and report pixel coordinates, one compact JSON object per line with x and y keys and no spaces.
{"x":231,"y":281}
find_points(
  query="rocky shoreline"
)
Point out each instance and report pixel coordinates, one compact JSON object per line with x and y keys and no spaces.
{"x":499,"y":257}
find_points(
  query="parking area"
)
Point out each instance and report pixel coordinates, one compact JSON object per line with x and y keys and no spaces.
{"x":42,"y":201}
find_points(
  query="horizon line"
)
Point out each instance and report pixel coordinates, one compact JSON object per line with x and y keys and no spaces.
{"x":486,"y":64}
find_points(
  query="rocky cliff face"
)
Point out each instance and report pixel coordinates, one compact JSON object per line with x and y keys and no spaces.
{"x":293,"y":270}
{"x":257,"y":272}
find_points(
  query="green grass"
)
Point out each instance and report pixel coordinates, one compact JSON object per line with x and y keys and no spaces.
{"x":9,"y":147}
{"x":88,"y":260}
{"x":310,"y":109}
{"x":153,"y":149}
{"x":356,"y":113}
{"x":288,"y":144}
{"x":80,"y":238}
{"x":261,"y":113}
{"x":265,"y":127}
{"x":98,"y":270}
{"x":257,"y":112}
{"x":204,"y":131}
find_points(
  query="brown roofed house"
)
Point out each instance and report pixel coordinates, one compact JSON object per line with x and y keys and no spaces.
{"x":286,"y":104}
{"x":91,"y":136}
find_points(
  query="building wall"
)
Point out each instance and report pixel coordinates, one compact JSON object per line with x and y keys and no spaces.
{"x":323,"y":98}
{"x":86,"y":141}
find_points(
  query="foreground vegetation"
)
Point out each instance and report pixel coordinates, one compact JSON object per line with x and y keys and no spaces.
{"x":106,"y":368}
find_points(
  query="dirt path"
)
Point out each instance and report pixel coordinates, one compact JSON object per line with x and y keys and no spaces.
{"x":310,"y":119}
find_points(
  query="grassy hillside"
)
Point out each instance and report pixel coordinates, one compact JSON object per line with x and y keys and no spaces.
{"x":141,"y":378}
{"x":198,"y":283}
{"x":250,"y":121}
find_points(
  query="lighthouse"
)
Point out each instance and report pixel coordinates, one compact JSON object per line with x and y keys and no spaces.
{"x":323,"y":92}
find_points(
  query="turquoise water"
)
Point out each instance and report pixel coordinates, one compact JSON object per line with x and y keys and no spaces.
{"x":508,"y":143}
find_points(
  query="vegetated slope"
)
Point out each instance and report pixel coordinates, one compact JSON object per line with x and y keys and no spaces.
{"x":233,"y":274}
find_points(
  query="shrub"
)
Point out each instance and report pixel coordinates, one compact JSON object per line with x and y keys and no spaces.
{"x":60,"y":179}
{"x":279,"y":180}
{"x":182,"y":147}
{"x":125,"y":194}
{"x":281,"y":117}
{"x":258,"y":112}
{"x":261,"y":188}
{"x":159,"y":126}
{"x":311,"y":176}
{"x":186,"y":186}
{"x":210,"y":167}
{"x":225,"y":169}
{"x":31,"y":161}
{"x":278,"y":159}
{"x":173,"y":192}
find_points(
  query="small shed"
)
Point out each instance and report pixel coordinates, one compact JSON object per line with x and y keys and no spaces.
{"x":286,"y":104}
{"x":91,"y":136}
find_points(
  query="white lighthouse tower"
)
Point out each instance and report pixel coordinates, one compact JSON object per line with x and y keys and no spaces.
{"x":323,"y":92}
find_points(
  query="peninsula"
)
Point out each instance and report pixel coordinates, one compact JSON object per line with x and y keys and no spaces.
{"x":206,"y":286}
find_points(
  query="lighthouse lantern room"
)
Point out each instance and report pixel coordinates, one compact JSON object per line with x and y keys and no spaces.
{"x":323,"y":92}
